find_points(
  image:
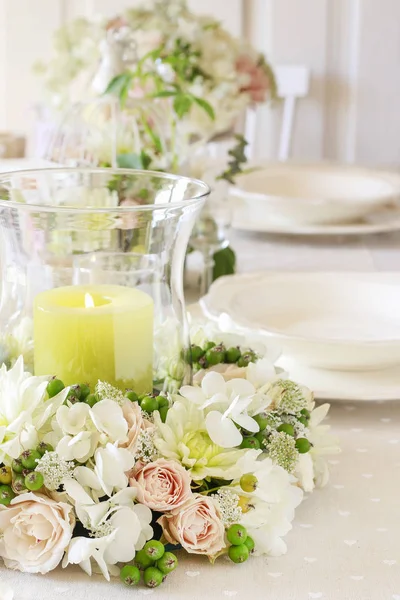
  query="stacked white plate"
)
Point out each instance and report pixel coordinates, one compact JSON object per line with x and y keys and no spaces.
{"x":339,"y":332}
{"x":315,"y":199}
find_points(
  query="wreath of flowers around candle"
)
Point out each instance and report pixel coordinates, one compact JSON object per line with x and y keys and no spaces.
{"x":117,"y":483}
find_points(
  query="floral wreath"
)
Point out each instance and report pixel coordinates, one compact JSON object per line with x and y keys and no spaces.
{"x":118,"y":483}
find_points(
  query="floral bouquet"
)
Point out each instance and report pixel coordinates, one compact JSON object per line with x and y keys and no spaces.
{"x":119,"y":483}
{"x":159,"y":51}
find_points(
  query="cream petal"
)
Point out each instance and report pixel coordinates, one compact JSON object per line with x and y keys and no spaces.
{"x":192,"y":393}
{"x":213,"y":383}
{"x":222,"y":431}
{"x":246,"y":422}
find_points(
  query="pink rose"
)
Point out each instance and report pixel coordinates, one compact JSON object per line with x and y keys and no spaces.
{"x":162,"y":485}
{"x":257,"y":81}
{"x":134,"y":417}
{"x":196,"y":525}
{"x":34,"y":533}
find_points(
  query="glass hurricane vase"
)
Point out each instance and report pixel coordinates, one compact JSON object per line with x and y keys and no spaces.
{"x":92,"y":268}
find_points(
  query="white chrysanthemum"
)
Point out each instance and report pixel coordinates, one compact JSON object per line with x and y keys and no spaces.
{"x":268,"y":511}
{"x":18,"y":343}
{"x":183,"y":437}
{"x":312,"y":469}
{"x":24,"y":410}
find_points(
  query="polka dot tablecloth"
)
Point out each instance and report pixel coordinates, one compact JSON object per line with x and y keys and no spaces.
{"x":345,"y":542}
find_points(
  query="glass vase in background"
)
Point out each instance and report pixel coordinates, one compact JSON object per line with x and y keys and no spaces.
{"x":92,"y":274}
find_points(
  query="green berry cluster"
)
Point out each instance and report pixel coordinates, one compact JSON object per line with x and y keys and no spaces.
{"x":151,"y":402}
{"x":80,"y":392}
{"x":21,"y":476}
{"x":242,"y":545}
{"x":268,"y":425}
{"x":154,"y":562}
{"x":214,"y":354}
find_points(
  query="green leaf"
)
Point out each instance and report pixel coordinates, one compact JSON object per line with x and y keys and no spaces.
{"x":146,"y":160}
{"x":224,"y":263}
{"x":164,"y":94}
{"x":206,"y":106}
{"x":119,"y":85}
{"x":182,"y":105}
{"x":130,"y":161}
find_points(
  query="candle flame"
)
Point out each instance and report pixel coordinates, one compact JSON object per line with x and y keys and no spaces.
{"x":89,"y":301}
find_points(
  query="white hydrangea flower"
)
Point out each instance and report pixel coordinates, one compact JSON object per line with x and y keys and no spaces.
{"x":312,"y":469}
{"x":119,"y":528}
{"x":269,"y":510}
{"x":227,"y":403}
{"x":24,"y":409}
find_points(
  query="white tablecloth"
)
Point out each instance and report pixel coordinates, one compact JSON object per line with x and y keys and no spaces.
{"x":345,"y":542}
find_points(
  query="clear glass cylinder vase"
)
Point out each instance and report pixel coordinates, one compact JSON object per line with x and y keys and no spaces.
{"x":92,"y":274}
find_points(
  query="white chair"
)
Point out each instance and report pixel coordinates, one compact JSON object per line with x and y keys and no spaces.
{"x":293,"y":82}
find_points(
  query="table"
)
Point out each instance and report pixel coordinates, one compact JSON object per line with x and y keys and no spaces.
{"x":345,"y":542}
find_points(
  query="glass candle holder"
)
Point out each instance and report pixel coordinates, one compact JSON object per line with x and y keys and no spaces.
{"x":92,"y":274}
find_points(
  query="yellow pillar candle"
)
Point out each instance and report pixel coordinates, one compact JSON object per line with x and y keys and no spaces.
{"x":89,"y":332}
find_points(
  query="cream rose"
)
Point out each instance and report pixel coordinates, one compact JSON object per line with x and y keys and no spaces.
{"x":34,"y":533}
{"x":134,"y":417}
{"x":196,"y":525}
{"x":162,"y":485}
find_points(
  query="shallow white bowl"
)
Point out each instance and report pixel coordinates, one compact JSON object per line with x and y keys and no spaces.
{"x":313,"y":194}
{"x":343,"y":321}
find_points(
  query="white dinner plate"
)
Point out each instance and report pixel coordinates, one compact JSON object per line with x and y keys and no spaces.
{"x":355,"y":386}
{"x":385,"y":220}
{"x":338,"y":321}
{"x":313,"y":194}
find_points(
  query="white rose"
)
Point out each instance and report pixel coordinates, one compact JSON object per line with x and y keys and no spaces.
{"x":35,"y":533}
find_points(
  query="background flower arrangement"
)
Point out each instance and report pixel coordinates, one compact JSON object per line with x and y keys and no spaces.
{"x":115,"y":482}
{"x":173,"y":81}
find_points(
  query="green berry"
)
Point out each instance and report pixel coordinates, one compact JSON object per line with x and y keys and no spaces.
{"x":286,"y":428}
{"x":236,"y":534}
{"x":215,"y":355}
{"x":232,"y":355}
{"x":143,"y":561}
{"x":6,"y":495}
{"x":5,"y":475}
{"x":196,"y":352}
{"x":162,"y":401}
{"x":29,"y":459}
{"x":91,"y":400}
{"x":248,"y":483}
{"x":303,"y":421}
{"x":43,"y":448}
{"x":154,"y":549}
{"x":209,"y":345}
{"x":250,"y":544}
{"x":238,"y":554}
{"x":153,"y":577}
{"x":85,"y":391}
{"x":306,"y":413}
{"x":17,"y":466}
{"x":74,"y":393}
{"x":34,"y":481}
{"x":303,"y":445}
{"x":246,"y":359}
{"x":54,"y":387}
{"x":261,"y":437}
{"x":149,"y":404}
{"x":261,"y":420}
{"x":167,"y":563}
{"x":250,"y":442}
{"x":163,"y":413}
{"x":132,"y":396}
{"x":130,"y":575}
{"x":18,"y":484}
